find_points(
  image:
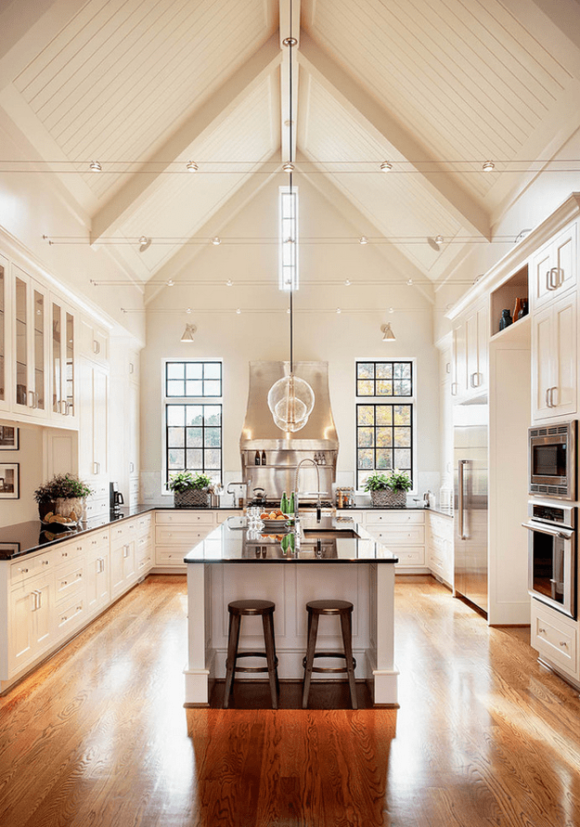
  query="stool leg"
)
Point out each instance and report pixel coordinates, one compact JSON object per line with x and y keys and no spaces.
{"x":275,"y":658}
{"x":312,"y":633}
{"x":346,"y":624}
{"x":233,"y":640}
{"x":268,"y":624}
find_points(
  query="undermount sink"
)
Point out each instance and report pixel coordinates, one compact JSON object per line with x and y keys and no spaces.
{"x":330,"y":533}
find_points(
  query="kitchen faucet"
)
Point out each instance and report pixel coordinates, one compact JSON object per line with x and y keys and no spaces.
{"x":318,"y":492}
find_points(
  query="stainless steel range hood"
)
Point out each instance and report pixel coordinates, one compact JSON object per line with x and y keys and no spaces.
{"x":318,"y":439}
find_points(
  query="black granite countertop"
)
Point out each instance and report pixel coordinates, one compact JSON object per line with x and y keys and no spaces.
{"x":328,"y":540}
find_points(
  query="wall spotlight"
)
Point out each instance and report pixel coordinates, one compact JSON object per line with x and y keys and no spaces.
{"x":387,"y":331}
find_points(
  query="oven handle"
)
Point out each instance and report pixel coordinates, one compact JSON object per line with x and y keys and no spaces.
{"x":553,"y":532}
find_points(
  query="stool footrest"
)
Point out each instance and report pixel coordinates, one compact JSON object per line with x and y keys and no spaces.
{"x":252,"y":668}
{"x":328,"y":668}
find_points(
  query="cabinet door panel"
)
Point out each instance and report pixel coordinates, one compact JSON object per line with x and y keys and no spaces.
{"x":564,"y":395}
{"x":542,"y":336}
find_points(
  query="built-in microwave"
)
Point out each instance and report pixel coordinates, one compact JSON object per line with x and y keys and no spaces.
{"x":552,"y":460}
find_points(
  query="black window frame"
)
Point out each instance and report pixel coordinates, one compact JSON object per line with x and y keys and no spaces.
{"x":374,"y":363}
{"x":203,"y":363}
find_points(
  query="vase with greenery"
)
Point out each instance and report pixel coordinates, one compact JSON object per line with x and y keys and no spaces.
{"x":389,"y":490}
{"x":64,"y":494}
{"x":190,"y":490}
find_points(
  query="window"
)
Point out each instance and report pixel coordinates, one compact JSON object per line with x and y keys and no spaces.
{"x":193,"y":418}
{"x":384,"y":430}
{"x":288,"y":262}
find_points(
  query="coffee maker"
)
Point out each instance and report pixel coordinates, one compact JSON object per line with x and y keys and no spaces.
{"x":116,"y":499}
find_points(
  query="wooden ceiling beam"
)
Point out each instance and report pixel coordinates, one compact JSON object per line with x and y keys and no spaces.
{"x":208,"y":116}
{"x":362,"y":105}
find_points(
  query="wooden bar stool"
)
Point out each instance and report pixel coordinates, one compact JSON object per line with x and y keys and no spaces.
{"x":329,"y":607}
{"x":265,"y":609}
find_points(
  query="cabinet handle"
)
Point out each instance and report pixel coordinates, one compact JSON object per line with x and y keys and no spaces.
{"x":454,"y":389}
{"x":131,"y":367}
{"x":64,"y":554}
{"x":131,"y":467}
{"x":563,"y":644}
{"x":548,"y":398}
{"x":79,"y":575}
{"x":31,"y":403}
{"x":96,"y":467}
{"x":39,"y":599}
{"x":34,"y":601}
{"x":96,"y":347}
{"x":45,"y":562}
{"x":549,"y":279}
{"x":552,"y":403}
{"x":541,"y":630}
{"x":555,"y":281}
{"x":23,"y":571}
{"x":64,"y":583}
{"x":63,"y":407}
{"x":125,"y":551}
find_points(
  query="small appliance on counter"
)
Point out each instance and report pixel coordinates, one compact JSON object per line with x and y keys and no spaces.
{"x":116,"y":499}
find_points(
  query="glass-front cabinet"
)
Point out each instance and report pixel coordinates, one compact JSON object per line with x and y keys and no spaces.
{"x":62,"y":361}
{"x":4,"y":397}
{"x":30,"y":378}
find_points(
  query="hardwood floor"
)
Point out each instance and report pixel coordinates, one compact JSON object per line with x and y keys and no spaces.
{"x":98,"y":736}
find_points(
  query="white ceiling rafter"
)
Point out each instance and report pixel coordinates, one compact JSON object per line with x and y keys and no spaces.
{"x":455,"y":200}
{"x":262,"y":63}
{"x":178,"y":264}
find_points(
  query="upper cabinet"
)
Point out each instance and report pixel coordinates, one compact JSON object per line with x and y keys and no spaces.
{"x":469,"y":366}
{"x":554,"y":267}
{"x":63,"y":370}
{"x":4,"y":336}
{"x":554,"y":360}
{"x":93,"y":342}
{"x":30,"y":362}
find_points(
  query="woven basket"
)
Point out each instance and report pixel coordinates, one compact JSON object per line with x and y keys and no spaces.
{"x":389,"y":499}
{"x":191,"y":499}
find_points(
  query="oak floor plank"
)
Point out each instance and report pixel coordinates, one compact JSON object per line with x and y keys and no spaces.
{"x":98,"y":736}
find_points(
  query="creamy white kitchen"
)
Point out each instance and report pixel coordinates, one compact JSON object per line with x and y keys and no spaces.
{"x":184,"y":209}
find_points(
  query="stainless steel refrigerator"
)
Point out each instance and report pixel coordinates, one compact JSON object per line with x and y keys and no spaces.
{"x":471,"y":498}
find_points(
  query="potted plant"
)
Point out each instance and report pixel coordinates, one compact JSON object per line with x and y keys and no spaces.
{"x":389,"y":490}
{"x":189,"y":490}
{"x":64,"y":494}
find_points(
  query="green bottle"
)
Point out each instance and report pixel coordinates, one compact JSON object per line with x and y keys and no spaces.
{"x":291,"y":504}
{"x":284,"y":505}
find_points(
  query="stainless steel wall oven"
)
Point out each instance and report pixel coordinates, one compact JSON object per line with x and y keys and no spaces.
{"x":552,"y":555}
{"x":552,"y":460}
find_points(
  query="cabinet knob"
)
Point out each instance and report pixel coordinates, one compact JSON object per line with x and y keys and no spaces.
{"x":45,"y":562}
{"x":541,"y":630}
{"x":563,"y":644}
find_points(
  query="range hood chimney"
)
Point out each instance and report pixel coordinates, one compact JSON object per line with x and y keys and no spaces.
{"x":284,"y":450}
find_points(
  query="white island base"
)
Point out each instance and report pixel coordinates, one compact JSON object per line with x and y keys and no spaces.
{"x":369,"y":586}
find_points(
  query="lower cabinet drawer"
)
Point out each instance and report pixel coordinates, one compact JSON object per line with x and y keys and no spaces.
{"x":69,"y":615}
{"x":393,"y":518}
{"x":185,"y":516}
{"x":69,"y":580}
{"x":409,"y":556}
{"x":399,"y":535}
{"x":165,"y":556}
{"x":555,"y":637}
{"x":182,"y":535}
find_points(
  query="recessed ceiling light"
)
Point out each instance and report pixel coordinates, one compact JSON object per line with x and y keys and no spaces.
{"x":391,"y":309}
{"x":94,"y":166}
{"x":348,"y":282}
{"x":338,"y":310}
{"x":488,"y":166}
{"x":170,"y":283}
{"x":409,"y":282}
{"x":188,"y":310}
{"x":363,"y":240}
{"x":288,"y":166}
{"x":238,"y":311}
{"x":229,"y":283}
{"x":386,"y":166}
{"x":192,"y":166}
{"x":216,"y":241}
{"x":439,"y":239}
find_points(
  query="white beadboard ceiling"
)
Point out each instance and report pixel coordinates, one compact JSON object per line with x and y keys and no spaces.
{"x":435,"y":86}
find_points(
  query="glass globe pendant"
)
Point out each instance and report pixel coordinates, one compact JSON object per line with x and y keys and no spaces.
{"x":291,"y":401}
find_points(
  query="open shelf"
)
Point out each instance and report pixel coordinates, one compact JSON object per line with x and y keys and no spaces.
{"x":518,"y":332}
{"x":515,"y":287}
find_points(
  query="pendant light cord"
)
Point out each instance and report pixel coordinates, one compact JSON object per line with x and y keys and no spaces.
{"x":290,"y":119}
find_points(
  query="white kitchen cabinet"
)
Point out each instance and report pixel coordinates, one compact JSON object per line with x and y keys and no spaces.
{"x":440,"y":547}
{"x":5,"y":328}
{"x":470,"y":353}
{"x":123,"y":557}
{"x":554,"y":359}
{"x":29,"y":346}
{"x":403,"y":533}
{"x":554,"y":267}
{"x":31,"y":622}
{"x":555,"y":637}
{"x":98,"y":580}
{"x":62,"y":363}
{"x":133,"y":442}
{"x":93,"y":341}
{"x":93,"y":425}
{"x":177,"y":532}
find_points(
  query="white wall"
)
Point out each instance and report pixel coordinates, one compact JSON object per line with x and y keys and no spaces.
{"x":29,"y":458}
{"x":261,"y":330}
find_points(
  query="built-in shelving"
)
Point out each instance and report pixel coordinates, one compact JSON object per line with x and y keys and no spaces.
{"x":504,"y":297}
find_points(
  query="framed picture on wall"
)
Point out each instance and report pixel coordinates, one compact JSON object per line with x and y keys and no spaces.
{"x":8,"y":548}
{"x":9,"y":480}
{"x":9,"y":438}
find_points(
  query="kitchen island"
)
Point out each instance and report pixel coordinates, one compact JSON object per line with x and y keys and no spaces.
{"x":334,"y":557}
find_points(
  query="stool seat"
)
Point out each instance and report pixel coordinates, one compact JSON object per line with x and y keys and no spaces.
{"x":315,"y":609}
{"x":251,"y":607}
{"x":257,"y":608}
{"x":329,"y":607}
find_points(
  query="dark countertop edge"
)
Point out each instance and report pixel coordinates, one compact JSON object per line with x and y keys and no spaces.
{"x":137,"y":511}
{"x":288,"y":560}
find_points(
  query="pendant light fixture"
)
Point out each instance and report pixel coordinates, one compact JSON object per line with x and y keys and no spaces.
{"x":291,"y":399}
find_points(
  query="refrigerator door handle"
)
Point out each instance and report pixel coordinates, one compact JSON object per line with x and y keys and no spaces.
{"x":460,"y":486}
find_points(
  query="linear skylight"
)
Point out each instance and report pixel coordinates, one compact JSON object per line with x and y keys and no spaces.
{"x":288,"y":259}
